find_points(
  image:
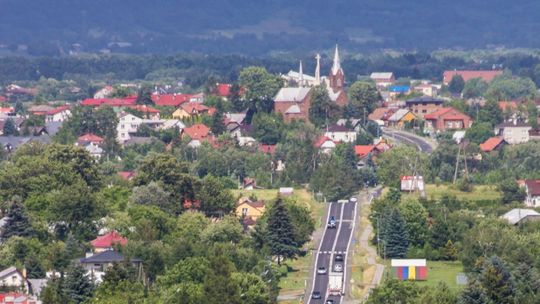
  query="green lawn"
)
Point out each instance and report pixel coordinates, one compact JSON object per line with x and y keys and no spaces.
{"x":442,"y":271}
{"x":478,"y":193}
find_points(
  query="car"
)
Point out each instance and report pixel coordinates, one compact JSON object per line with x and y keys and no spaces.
{"x":329,"y":302}
{"x":338,"y":257}
{"x":332,"y":222}
{"x":321,"y":270}
{"x":353,"y":199}
{"x":338,"y":268}
{"x":316,"y":295}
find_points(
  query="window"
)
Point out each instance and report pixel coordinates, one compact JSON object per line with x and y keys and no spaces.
{"x":424,"y":111}
{"x":244,"y":211}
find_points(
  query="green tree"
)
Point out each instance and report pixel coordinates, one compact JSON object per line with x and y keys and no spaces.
{"x":218,"y":285}
{"x":474,"y":88}
{"x":394,"y":291}
{"x":532,"y":114}
{"x":153,"y":194}
{"x":236,"y":99}
{"x":9,"y":127}
{"x":253,"y":290}
{"x":261,"y":87}
{"x":333,"y":180}
{"x":280,"y":232}
{"x":396,"y":238}
{"x":144,"y":96}
{"x":473,"y":294}
{"x":215,"y":199}
{"x":507,"y":87}
{"x":479,"y":132}
{"x":456,"y":85}
{"x":363,"y":97}
{"x":398,"y":162}
{"x":303,"y":222}
{"x":18,"y":223}
{"x":267,"y":128}
{"x":322,"y":111}
{"x":490,"y":113}
{"x":78,"y":287}
{"x":217,"y":125}
{"x":415,"y":216}
{"x":511,"y":192}
{"x":497,"y":281}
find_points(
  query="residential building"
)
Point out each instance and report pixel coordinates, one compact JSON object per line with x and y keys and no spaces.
{"x":513,"y":132}
{"x":13,"y":278}
{"x":170,"y":100}
{"x":112,"y":102}
{"x":363,"y":151}
{"x":248,"y":208}
{"x":426,"y":90}
{"x":532,"y":191}
{"x":197,"y":133}
{"x":267,"y":149}
{"x":127,"y":123}
{"x":492,"y":144}
{"x":40,"y":110}
{"x":324,"y":144}
{"x":58,"y":114}
{"x":192,"y":109}
{"x":108,"y":241}
{"x":339,"y":133}
{"x":383,"y":79}
{"x":517,"y":216}
{"x":293,"y":103}
{"x":423,"y":106}
{"x":104,"y":92}
{"x":447,"y":119}
{"x":396,"y":91}
{"x":412,"y":183}
{"x":487,"y":76}
{"x":102,"y":261}
{"x":126,"y":175}
{"x":381,"y":115}
{"x":400,"y":118}
{"x":147,"y":112}
{"x":18,"y":298}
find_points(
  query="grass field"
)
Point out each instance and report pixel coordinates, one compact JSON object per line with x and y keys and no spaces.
{"x":300,"y":269}
{"x":438,"y":271}
{"x":478,"y":193}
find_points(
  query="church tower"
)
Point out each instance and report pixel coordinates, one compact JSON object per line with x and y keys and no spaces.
{"x":336,"y":77}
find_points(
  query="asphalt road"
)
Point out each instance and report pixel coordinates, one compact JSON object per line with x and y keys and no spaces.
{"x":334,"y":241}
{"x":406,"y":138}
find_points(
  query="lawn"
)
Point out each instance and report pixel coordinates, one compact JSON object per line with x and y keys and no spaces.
{"x":478,"y":193}
{"x":300,"y":269}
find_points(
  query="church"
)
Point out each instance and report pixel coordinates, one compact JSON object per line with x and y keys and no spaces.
{"x":294,"y":102}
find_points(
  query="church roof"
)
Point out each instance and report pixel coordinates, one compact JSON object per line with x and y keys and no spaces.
{"x":291,"y":94}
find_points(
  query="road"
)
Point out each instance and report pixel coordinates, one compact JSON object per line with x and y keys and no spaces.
{"x":410,"y":139}
{"x":334,"y":241}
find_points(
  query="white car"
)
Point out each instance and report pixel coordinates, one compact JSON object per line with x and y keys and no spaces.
{"x":321,"y":270}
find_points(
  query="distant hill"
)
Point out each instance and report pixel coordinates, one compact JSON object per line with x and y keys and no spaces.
{"x":51,"y":27}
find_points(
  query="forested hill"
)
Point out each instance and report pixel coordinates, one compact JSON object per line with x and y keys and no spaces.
{"x":50,"y":27}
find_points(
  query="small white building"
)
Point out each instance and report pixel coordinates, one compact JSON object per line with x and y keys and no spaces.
{"x":127,"y":123}
{"x":339,"y":133}
{"x":532,"y":191}
{"x":11,"y":277}
{"x":58,"y":114}
{"x":412,"y":183}
{"x":383,"y":79}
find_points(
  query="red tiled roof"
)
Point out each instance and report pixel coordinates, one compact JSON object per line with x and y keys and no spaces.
{"x":490,"y":144}
{"x":108,"y":240}
{"x":171,"y":100}
{"x":113,"y":102}
{"x":197,"y":131}
{"x":533,"y":186}
{"x":362,"y":151}
{"x":510,"y":105}
{"x":3,"y":98}
{"x":380,"y":113}
{"x":144,"y":109}
{"x":268,"y":149}
{"x":223,"y":89}
{"x":443,"y":112}
{"x":7,"y":110}
{"x":468,"y":75}
{"x":89,"y":137}
{"x":191,"y":107}
{"x":58,"y":109}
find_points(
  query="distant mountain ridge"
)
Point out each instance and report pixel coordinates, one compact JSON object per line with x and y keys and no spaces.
{"x":258,"y":27}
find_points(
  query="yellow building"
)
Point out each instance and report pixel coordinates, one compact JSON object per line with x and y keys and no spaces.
{"x":400,"y":117}
{"x":245,"y":208}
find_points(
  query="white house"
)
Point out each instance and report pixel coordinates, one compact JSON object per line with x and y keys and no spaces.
{"x":339,"y":133}
{"x":127,"y":123}
{"x":513,"y":132}
{"x":532,"y":190}
{"x":58,"y":114}
{"x":412,"y":183}
{"x":11,"y":277}
{"x":383,"y":79}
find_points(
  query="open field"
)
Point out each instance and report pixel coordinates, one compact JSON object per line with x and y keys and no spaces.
{"x":478,"y":193}
{"x":438,"y":271}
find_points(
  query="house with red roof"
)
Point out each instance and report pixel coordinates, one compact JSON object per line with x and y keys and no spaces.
{"x":324,"y":144}
{"x":18,"y":298}
{"x":486,"y":76}
{"x":492,"y":144}
{"x":147,"y":111}
{"x":40,"y":110}
{"x":246,"y":208}
{"x":112,"y":102}
{"x":9,"y":111}
{"x":447,"y":119}
{"x":108,"y":241}
{"x":532,"y":191}
{"x":192,"y":109}
{"x":89,"y":138}
{"x":267,"y":149}
{"x":362,"y":151}
{"x":170,"y":100}
{"x":126,"y":175}
{"x":58,"y":114}
{"x":223,"y":90}
{"x":197,"y":133}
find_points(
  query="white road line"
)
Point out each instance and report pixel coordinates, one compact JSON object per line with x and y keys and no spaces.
{"x":347,"y":256}
{"x":319,"y":251}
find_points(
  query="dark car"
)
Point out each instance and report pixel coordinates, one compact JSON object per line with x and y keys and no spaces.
{"x":316,"y":295}
{"x":338,"y":258}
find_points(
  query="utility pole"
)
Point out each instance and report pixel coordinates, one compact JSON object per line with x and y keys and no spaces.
{"x":457,"y":164}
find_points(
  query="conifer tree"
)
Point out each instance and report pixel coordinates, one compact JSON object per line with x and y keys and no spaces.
{"x":473,"y":294}
{"x":9,"y":127}
{"x":280,"y":232}
{"x":77,"y":286}
{"x":497,"y":281}
{"x":396,"y":239}
{"x":18,"y":223}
